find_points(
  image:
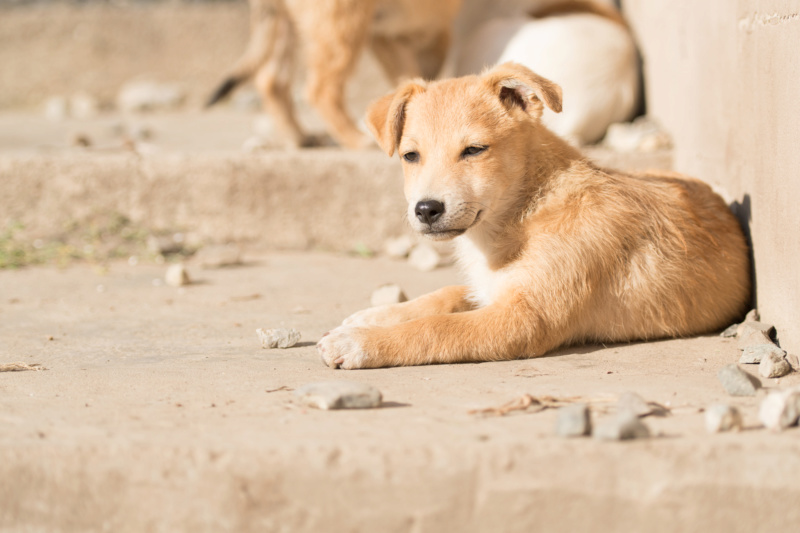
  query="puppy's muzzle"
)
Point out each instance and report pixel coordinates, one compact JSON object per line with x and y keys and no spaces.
{"x":429,"y":211}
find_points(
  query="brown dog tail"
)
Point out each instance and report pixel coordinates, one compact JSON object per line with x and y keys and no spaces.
{"x":224,"y":89}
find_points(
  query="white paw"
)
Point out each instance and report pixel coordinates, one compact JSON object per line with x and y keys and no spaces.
{"x":341,"y":348}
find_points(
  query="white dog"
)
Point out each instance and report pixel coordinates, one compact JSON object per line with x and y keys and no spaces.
{"x":584,"y":46}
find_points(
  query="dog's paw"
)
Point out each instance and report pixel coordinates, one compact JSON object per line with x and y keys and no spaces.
{"x":343,"y":347}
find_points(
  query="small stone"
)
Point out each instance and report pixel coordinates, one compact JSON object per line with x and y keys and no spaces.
{"x":56,"y":108}
{"x":794,"y":361}
{"x":737,"y":382}
{"x":752,"y":316}
{"x":774,"y":365}
{"x":387,"y":295}
{"x":164,"y":244}
{"x":746,"y":329}
{"x":177,"y":276}
{"x":574,"y":421}
{"x":218,"y":256}
{"x":624,"y":427}
{"x":399,"y":247}
{"x":84,"y":106}
{"x":254,"y":144}
{"x":722,"y":417}
{"x":340,"y":395}
{"x":424,"y":257}
{"x":780,"y":409}
{"x":278,"y":338}
{"x":632,"y":404}
{"x":753,"y":355}
{"x":80,"y":139}
{"x":730,"y":331}
{"x":143,"y":95}
{"x":754,"y":338}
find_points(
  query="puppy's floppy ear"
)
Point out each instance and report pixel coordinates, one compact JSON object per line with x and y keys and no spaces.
{"x":517,"y":85}
{"x":387,"y":116}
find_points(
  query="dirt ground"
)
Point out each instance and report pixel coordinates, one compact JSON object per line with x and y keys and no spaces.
{"x":159,"y":411}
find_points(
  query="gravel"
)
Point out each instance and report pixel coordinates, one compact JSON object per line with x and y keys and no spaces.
{"x":774,"y":365}
{"x":388,"y":294}
{"x":752,"y":355}
{"x":722,"y":417}
{"x":737,"y":382}
{"x":278,"y":338}
{"x":340,"y":395}
{"x":574,"y":421}
{"x":623,"y":427}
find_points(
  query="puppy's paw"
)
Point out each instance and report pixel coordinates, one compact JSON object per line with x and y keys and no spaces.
{"x":343,"y":347}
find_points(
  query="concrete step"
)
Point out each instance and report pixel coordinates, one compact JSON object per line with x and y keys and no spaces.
{"x":191,"y":175}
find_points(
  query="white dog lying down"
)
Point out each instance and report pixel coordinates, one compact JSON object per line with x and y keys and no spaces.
{"x":584,"y":46}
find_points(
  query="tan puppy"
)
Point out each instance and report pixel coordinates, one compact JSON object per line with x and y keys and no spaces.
{"x":557,"y":251}
{"x":410,"y":38}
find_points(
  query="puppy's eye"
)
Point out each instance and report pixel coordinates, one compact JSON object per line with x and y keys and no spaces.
{"x":411,"y":157}
{"x":473,"y":150}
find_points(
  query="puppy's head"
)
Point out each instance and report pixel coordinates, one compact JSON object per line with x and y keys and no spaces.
{"x":464,"y":143}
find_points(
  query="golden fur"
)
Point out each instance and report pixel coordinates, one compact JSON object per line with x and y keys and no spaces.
{"x":410,"y":38}
{"x":557,"y":251}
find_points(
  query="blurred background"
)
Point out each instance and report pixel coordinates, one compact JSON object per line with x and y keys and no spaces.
{"x":105,"y":142}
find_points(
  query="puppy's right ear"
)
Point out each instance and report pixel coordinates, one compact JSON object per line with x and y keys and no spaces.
{"x":387,"y":116}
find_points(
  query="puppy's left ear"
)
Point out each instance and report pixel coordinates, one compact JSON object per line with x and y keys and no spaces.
{"x":387,"y":116}
{"x":518,"y":86}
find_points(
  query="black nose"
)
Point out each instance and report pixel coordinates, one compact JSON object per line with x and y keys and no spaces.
{"x":429,"y":211}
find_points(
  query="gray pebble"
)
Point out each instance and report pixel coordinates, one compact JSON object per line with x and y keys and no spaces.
{"x":722,"y":417}
{"x":339,"y":395}
{"x":753,"y":338}
{"x":780,"y":409}
{"x":633,"y":404}
{"x":737,"y":382}
{"x":746,"y":329}
{"x":278,"y":338}
{"x":730,"y":331}
{"x":624,"y":427}
{"x":774,"y":365}
{"x":752,"y":355}
{"x":574,"y":421}
{"x":177,"y":275}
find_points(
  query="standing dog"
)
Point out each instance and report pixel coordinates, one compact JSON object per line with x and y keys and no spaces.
{"x":410,"y":38}
{"x":557,"y":251}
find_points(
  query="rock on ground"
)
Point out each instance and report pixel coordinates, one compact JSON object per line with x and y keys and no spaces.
{"x":388,"y":294}
{"x":752,"y":355}
{"x":399,"y":247}
{"x":622,"y":427}
{"x":574,"y":421}
{"x":774,"y":365}
{"x":177,"y":275}
{"x":746,"y":329}
{"x":424,"y":257}
{"x":780,"y":409}
{"x":737,"y":382}
{"x":722,"y":417}
{"x":340,"y":395}
{"x":278,"y":338}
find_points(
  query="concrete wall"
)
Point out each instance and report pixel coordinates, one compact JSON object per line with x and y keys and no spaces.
{"x":723,"y":77}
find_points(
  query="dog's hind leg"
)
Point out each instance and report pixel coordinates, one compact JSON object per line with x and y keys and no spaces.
{"x":274,"y":81}
{"x":331,"y":59}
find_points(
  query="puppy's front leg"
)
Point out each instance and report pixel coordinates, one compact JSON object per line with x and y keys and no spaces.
{"x":501,"y":331}
{"x":451,"y":299}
